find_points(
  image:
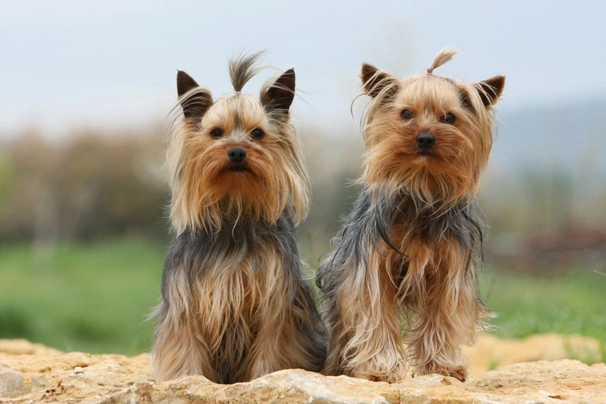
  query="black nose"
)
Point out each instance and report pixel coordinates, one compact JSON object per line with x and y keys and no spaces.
{"x":425,"y":140}
{"x":236,"y":155}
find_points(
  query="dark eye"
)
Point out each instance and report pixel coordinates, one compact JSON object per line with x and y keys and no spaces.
{"x":216,"y":133}
{"x":257,"y":134}
{"x":406,"y":115}
{"x":448,"y":117}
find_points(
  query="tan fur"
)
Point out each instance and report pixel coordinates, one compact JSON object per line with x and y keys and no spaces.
{"x":247,"y":298}
{"x":442,"y":57}
{"x":196,"y":159}
{"x":420,"y":277}
{"x":463,"y":149}
{"x":366,"y":342}
{"x":235,"y":303}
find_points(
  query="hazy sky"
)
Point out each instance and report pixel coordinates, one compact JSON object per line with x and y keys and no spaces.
{"x":67,"y":63}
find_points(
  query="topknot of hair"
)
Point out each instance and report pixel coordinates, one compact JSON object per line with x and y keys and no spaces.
{"x":442,"y":57}
{"x":243,"y":68}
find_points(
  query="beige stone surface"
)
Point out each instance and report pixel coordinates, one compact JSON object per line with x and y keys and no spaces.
{"x":31,"y":373}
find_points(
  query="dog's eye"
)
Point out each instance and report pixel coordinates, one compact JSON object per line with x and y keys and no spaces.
{"x":216,"y":133}
{"x":448,"y":117}
{"x":257,"y":134}
{"x":406,"y":114}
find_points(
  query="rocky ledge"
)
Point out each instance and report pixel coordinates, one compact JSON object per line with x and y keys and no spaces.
{"x":32,"y":373}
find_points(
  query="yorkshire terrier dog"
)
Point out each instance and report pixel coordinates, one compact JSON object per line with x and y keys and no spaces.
{"x":405,"y":260}
{"x":235,"y":304}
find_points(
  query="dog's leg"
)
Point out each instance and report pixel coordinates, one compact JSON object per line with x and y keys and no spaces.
{"x":365,"y":339}
{"x":449,"y":315}
{"x":179,"y":349}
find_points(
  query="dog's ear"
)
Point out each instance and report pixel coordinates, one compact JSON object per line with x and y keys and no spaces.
{"x":194,"y":100}
{"x":490,"y":90}
{"x":278,"y":96}
{"x":376,"y":82}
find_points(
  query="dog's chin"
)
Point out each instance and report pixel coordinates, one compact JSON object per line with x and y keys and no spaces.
{"x":237,"y":169}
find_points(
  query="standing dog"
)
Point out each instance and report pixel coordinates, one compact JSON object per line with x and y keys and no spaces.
{"x":409,"y":248}
{"x":235,"y":305}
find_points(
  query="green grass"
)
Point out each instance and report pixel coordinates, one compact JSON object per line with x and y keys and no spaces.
{"x":92,"y":298}
{"x":95,"y":297}
{"x":571,"y":303}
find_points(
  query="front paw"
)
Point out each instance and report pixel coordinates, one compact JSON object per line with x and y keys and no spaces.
{"x":390,"y":378}
{"x":458,"y":372}
{"x":376,"y":372}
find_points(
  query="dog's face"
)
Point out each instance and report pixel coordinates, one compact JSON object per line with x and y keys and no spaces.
{"x":428,"y":133}
{"x":239,"y":151}
{"x":234,"y":150}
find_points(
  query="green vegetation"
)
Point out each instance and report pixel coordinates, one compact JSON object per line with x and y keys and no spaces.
{"x":526,"y":304}
{"x":90,"y":297}
{"x":95,"y":297}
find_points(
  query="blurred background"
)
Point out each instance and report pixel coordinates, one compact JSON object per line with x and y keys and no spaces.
{"x":86,"y":91}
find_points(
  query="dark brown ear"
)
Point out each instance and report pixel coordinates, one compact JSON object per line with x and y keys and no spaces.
{"x":280,"y":94}
{"x":490,"y":90}
{"x":375,"y":81}
{"x":194,"y":103}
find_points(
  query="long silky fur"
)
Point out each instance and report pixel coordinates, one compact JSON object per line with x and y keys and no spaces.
{"x":348,"y":275}
{"x":442,"y":57}
{"x":193,"y":205}
{"x":235,"y":302}
{"x":243,"y":68}
{"x":405,"y":260}
{"x":236,"y":305}
{"x":351,"y":289}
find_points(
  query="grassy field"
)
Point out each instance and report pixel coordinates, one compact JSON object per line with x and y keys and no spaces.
{"x":96,"y":297}
{"x":91,"y":298}
{"x":570,"y":303}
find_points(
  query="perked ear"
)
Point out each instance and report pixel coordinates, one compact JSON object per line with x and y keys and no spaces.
{"x":490,"y":90}
{"x":280,"y":94}
{"x":375,"y":81}
{"x":194,"y":103}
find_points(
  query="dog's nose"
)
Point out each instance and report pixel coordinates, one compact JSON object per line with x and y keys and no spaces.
{"x":425,"y":140}
{"x":236,"y":155}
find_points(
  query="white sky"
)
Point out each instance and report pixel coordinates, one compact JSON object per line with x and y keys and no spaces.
{"x":67,"y":63}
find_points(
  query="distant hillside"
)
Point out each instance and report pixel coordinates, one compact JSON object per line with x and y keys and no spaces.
{"x":569,"y":136}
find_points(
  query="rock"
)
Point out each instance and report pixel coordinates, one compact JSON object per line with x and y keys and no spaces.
{"x":47,"y":376}
{"x":11,"y":383}
{"x":39,"y":382}
{"x":24,"y":347}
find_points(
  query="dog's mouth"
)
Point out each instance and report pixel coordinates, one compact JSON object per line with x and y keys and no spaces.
{"x":238,"y":167}
{"x":425,"y":152}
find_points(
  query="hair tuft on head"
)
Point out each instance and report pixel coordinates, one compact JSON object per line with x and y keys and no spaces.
{"x":442,"y":57}
{"x":243,"y":68}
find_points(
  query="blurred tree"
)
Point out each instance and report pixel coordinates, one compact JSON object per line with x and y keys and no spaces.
{"x":91,"y":185}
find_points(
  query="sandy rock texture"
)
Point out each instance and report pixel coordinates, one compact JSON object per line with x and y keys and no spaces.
{"x":32,"y":373}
